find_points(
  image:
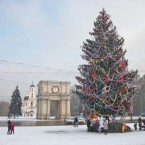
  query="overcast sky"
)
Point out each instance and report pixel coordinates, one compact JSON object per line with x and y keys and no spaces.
{"x":49,"y":33}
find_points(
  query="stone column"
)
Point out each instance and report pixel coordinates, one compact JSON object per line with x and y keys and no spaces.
{"x":41,"y":108}
{"x":48,"y":109}
{"x":37,"y":109}
{"x":68,"y":109}
{"x":61,"y":110}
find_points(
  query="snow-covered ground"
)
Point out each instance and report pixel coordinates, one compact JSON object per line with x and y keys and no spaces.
{"x":68,"y":135}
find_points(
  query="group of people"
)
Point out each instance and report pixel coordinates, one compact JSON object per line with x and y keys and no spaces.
{"x":140,"y":123}
{"x":10,"y":127}
{"x":102,"y":125}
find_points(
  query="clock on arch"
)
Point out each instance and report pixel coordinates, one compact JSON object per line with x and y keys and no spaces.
{"x":55,"y":89}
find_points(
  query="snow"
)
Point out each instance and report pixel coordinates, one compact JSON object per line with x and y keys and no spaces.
{"x":68,"y":135}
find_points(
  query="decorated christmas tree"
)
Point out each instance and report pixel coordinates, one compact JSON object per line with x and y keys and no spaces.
{"x":16,"y":103}
{"x":106,"y":85}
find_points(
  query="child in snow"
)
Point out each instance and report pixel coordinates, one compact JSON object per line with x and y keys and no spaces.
{"x":12,"y":128}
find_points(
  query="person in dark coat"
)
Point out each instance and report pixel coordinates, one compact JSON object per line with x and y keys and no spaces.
{"x":9,"y":127}
{"x":89,"y":125}
{"x":143,"y":122}
{"x":76,"y":122}
{"x":139,"y":123}
{"x":135,"y":125}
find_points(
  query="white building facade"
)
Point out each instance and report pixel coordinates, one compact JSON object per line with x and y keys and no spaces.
{"x":29,"y":107}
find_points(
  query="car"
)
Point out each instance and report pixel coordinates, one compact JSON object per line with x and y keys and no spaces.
{"x":70,"y":121}
{"x":142,"y":116}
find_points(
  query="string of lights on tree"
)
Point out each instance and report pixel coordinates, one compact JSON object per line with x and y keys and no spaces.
{"x":105,"y":85}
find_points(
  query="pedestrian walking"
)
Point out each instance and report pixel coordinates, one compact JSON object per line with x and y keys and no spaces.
{"x":139,"y":123}
{"x":105,"y":123}
{"x":9,"y":127}
{"x":101,"y":125}
{"x":99,"y":129}
{"x":135,"y":125}
{"x":89,"y":125}
{"x":76,"y":122}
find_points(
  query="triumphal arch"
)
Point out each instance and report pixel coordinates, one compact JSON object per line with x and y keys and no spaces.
{"x":55,"y":91}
